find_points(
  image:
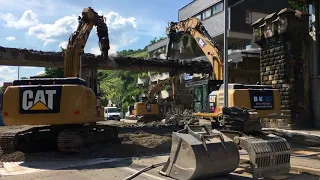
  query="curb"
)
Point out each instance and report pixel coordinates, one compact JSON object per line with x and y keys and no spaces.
{"x":299,"y":169}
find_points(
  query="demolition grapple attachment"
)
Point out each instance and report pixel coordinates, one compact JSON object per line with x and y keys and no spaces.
{"x":269,"y":155}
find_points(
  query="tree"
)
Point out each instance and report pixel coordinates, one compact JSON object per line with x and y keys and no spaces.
{"x":296,"y":4}
{"x":23,"y":78}
{"x":55,"y":72}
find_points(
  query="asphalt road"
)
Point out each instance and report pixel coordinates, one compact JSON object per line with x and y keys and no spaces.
{"x":119,"y":169}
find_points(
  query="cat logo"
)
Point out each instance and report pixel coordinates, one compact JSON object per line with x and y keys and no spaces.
{"x":201,"y":42}
{"x":44,"y":100}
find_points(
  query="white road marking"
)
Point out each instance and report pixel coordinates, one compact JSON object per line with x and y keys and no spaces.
{"x":146,"y":174}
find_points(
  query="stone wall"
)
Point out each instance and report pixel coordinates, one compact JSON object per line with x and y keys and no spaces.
{"x":283,"y":64}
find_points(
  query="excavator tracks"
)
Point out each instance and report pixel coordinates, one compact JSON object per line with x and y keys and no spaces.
{"x":70,"y":141}
{"x":66,"y":138}
{"x":7,"y":142}
{"x":74,"y":140}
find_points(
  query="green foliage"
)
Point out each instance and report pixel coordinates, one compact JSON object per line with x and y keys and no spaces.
{"x":55,"y":72}
{"x":296,"y":4}
{"x":117,"y":83}
{"x":156,"y":40}
{"x":23,"y":78}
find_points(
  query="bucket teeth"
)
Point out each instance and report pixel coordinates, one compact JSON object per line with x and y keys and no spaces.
{"x":269,"y":156}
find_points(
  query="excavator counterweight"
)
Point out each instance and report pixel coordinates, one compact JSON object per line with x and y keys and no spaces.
{"x":67,"y":109}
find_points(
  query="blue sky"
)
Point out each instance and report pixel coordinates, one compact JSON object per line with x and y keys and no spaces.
{"x":46,"y":25}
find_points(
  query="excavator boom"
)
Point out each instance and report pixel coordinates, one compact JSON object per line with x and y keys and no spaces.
{"x":78,"y":40}
{"x":210,"y":48}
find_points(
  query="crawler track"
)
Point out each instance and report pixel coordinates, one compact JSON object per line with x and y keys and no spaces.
{"x":67,"y":138}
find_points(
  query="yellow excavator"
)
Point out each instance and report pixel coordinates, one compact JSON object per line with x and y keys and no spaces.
{"x":200,"y":151}
{"x":64,"y":110}
{"x":148,"y":109}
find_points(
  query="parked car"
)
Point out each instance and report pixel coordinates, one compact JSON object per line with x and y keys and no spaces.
{"x":112,"y":113}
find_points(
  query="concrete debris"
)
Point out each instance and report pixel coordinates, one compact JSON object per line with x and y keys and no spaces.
{"x":25,"y":57}
{"x":179,"y":117}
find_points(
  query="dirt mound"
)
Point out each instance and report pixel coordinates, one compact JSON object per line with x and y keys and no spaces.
{"x":137,"y":140}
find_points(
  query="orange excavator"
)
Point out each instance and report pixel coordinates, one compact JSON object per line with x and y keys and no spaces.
{"x":64,"y":110}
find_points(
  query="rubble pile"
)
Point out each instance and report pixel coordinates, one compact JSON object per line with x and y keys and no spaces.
{"x":179,"y":117}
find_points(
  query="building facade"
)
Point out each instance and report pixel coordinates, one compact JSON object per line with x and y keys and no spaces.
{"x":242,"y":13}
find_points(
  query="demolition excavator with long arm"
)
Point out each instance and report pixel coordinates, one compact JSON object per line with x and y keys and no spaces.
{"x":200,"y":151}
{"x":148,"y":110}
{"x":64,"y":110}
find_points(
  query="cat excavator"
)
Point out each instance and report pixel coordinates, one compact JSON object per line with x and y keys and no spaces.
{"x":65,"y":111}
{"x":201,"y":151}
{"x":148,"y":109}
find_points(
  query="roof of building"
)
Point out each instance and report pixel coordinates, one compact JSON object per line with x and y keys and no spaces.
{"x":158,"y":45}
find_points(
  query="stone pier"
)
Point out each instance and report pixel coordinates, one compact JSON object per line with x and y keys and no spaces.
{"x":282,"y":37}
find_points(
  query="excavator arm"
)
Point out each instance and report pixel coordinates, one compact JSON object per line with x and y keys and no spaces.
{"x":158,"y":87}
{"x":78,"y":40}
{"x":211,"y":49}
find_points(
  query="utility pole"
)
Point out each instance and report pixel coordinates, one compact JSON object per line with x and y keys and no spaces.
{"x":225,"y":74}
{"x":18,"y":72}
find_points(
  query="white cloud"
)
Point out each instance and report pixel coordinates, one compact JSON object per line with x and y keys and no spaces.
{"x":41,"y":72}
{"x":7,"y":74}
{"x":123,"y":31}
{"x":10,"y":38}
{"x":63,"y":44}
{"x":6,"y":70}
{"x":28,"y":19}
{"x":51,"y":32}
{"x":96,"y":50}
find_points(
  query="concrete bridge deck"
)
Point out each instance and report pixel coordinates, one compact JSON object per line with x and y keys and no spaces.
{"x":25,"y":57}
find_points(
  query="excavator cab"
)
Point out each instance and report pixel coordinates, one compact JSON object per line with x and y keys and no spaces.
{"x":201,"y":92}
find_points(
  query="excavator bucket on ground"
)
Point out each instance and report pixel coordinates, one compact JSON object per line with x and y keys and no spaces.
{"x":197,"y":152}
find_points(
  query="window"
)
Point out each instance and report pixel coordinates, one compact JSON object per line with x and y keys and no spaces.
{"x":218,"y":8}
{"x":198,"y":16}
{"x":210,"y":11}
{"x":206,"y":14}
{"x":248,"y":17}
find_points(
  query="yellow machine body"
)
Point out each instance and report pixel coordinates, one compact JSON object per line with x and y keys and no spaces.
{"x":34,"y":105}
{"x":144,"y":109}
{"x":242,"y":98}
